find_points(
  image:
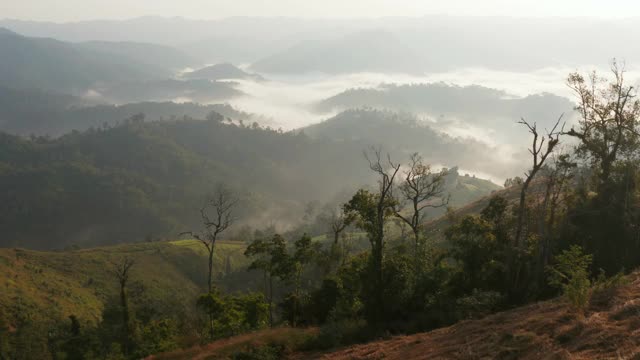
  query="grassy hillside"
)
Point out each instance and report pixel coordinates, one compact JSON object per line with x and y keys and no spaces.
{"x":50,"y":286}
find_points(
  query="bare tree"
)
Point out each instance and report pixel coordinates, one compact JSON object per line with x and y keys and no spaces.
{"x":372,"y":211}
{"x":418,"y":190}
{"x":121,"y":271}
{"x":217,"y":216}
{"x":539,"y":155}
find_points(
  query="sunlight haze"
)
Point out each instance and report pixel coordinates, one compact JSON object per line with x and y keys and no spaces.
{"x":78,"y":10}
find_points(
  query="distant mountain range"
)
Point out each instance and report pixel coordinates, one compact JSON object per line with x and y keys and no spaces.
{"x":447,"y":105}
{"x":37,"y":112}
{"x":55,"y":65}
{"x":439,"y":43}
{"x":374,"y":51}
{"x":48,"y":64}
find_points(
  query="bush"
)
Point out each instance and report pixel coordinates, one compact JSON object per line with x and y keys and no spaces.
{"x":570,"y":273}
{"x":478,"y":303}
{"x":340,"y":333}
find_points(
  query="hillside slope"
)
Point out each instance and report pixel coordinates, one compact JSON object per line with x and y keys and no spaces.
{"x":50,"y":286}
{"x":55,"y":65}
{"x":610,"y":329}
{"x":547,"y":330}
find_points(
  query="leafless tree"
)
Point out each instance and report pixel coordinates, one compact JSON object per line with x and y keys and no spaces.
{"x":217,"y":216}
{"x":417,"y":192}
{"x":386,"y":171}
{"x":539,"y":154}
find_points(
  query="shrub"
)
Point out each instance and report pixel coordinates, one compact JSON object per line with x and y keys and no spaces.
{"x":340,"y":333}
{"x":570,"y":273}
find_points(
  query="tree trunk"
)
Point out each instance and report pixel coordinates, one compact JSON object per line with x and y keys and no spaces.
{"x":270,"y":300}
{"x":210,"y":279}
{"x":125,"y":318}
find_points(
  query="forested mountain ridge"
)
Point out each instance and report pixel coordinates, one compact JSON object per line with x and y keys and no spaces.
{"x":135,"y":180}
{"x":45,"y":113}
{"x":444,"y":99}
{"x":405,"y":132}
{"x":55,"y":65}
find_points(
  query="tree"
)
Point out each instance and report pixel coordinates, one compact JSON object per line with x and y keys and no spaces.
{"x":570,"y":272}
{"x":302,"y":255}
{"x":122,"y":272}
{"x":338,"y":221}
{"x":271,"y":257}
{"x":539,"y":156}
{"x":419,"y":188}
{"x":476,"y":249}
{"x":222,"y":203}
{"x":372,"y":211}
{"x":557,"y":178}
{"x":608,"y":127}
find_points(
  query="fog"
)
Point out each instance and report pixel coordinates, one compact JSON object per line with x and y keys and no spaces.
{"x":287,"y":100}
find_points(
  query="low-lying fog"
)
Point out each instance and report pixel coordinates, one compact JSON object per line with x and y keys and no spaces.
{"x":290,"y":102}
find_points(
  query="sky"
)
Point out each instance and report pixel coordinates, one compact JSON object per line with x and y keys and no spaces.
{"x":78,"y":10}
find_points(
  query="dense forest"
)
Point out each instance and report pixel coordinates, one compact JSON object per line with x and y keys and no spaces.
{"x":137,"y":179}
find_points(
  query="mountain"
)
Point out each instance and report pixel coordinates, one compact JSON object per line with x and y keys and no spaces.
{"x":447,"y":42}
{"x":375,"y":51}
{"x":55,"y":65}
{"x":48,"y":287}
{"x":449,"y":100}
{"x":220,"y":72}
{"x":37,"y":112}
{"x":192,"y":90}
{"x":473,"y":109}
{"x":158,"y":56}
{"x":138,"y":179}
{"x":403,"y":133}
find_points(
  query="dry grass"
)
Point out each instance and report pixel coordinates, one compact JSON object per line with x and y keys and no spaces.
{"x":547,"y":330}
{"x":225,"y":348}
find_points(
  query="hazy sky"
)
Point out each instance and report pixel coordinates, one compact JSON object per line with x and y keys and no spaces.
{"x":74,"y":10}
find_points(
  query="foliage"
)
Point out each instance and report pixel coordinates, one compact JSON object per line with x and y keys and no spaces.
{"x":570,"y":272}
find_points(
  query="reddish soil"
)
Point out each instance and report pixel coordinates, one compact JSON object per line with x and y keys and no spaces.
{"x":610,"y":329}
